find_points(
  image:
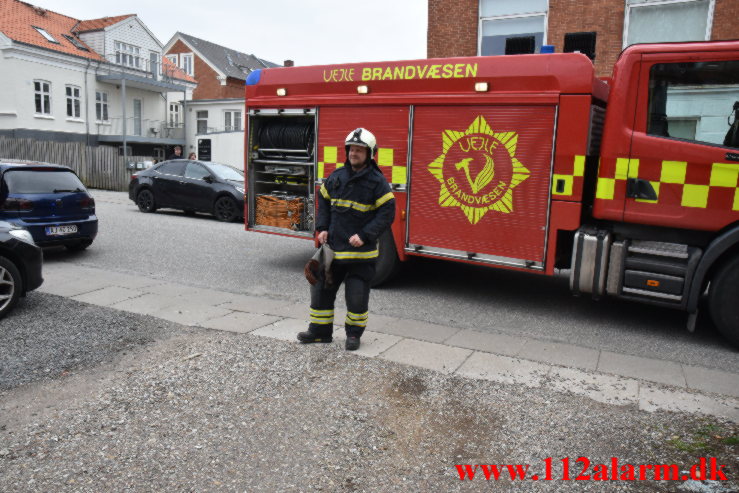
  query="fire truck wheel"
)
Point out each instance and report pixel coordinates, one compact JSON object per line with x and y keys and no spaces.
{"x":723,"y":296}
{"x":145,"y":201}
{"x":225,"y":209}
{"x":388,"y":264}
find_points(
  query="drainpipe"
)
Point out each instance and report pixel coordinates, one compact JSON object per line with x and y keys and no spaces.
{"x":87,"y":104}
{"x":123,"y":104}
{"x":184,"y":118}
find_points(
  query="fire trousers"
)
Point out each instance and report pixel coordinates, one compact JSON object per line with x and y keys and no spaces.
{"x":356,"y":277}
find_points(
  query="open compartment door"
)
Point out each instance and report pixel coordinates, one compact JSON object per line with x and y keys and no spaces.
{"x":480,"y":182}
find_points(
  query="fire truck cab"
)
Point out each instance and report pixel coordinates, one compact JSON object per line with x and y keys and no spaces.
{"x":628,"y":186}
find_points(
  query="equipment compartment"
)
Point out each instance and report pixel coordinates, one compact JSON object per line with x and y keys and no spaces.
{"x":281,"y":171}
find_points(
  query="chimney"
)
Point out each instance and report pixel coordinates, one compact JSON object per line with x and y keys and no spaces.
{"x":288,"y":63}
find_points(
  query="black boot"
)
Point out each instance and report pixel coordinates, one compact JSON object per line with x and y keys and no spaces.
{"x":352,"y":343}
{"x":309,"y":337}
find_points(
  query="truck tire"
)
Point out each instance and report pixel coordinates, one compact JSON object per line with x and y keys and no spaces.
{"x":388,"y":264}
{"x":722,"y":300}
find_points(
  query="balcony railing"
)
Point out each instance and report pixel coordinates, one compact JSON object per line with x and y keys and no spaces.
{"x":125,"y":63}
{"x":137,"y":127}
{"x":218,"y":130}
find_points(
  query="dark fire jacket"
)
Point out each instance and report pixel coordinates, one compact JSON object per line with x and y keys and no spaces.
{"x":355,"y":203}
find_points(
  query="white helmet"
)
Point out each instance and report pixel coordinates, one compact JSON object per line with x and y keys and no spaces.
{"x":362,"y":137}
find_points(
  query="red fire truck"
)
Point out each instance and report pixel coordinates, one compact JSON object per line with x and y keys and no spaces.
{"x":628,"y":186}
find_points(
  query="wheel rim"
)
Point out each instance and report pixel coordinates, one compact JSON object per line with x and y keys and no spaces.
{"x":225,"y":209}
{"x":145,"y":199}
{"x":7,"y":287}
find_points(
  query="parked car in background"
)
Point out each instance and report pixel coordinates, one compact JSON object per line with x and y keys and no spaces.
{"x":191,"y":186}
{"x":50,"y":202}
{"x":20,"y":265}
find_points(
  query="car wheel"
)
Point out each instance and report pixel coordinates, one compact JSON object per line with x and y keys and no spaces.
{"x":11,"y":285}
{"x":78,"y":247}
{"x":145,"y":201}
{"x":225,"y":209}
{"x":722,"y":300}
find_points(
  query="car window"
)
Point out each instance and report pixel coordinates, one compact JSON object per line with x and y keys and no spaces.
{"x":226,"y":172}
{"x":196,"y":171}
{"x":172,"y":168}
{"x":42,"y":181}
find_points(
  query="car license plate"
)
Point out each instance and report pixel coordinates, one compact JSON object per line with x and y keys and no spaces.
{"x":61,"y":230}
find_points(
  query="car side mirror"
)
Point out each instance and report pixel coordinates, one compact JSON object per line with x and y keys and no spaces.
{"x":208,"y":179}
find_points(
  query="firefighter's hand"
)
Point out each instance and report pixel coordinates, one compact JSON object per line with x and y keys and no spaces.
{"x":356,"y":241}
{"x":322,"y":237}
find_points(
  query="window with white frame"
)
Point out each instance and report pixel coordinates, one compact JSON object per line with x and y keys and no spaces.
{"x":654,"y":21}
{"x":42,"y":97}
{"x":43,"y":32}
{"x":186,"y":63}
{"x":73,"y":101}
{"x":174,"y":114}
{"x":172,"y":58}
{"x":232,"y":120}
{"x":101,"y":106}
{"x":128,"y":55}
{"x":202,"y":122}
{"x":501,"y":20}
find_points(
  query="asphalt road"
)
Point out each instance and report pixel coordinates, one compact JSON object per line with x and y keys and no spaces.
{"x":203,"y":252}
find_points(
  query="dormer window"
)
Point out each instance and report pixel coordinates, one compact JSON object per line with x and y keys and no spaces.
{"x":128,"y":55}
{"x":46,"y":35}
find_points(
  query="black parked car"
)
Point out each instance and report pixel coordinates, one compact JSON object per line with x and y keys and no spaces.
{"x":191,"y":186}
{"x":20,"y":265}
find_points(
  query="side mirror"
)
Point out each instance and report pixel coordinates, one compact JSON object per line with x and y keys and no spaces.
{"x":208,"y":179}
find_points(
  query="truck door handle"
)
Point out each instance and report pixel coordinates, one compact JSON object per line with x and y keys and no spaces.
{"x":732,"y":156}
{"x":638,"y":188}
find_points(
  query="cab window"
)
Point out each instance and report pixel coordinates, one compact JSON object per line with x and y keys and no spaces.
{"x":697,"y":101}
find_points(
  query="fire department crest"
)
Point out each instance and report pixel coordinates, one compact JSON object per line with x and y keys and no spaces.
{"x":478,"y":170}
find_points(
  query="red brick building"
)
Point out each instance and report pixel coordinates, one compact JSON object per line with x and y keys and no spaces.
{"x":220,"y":71}
{"x":484,"y":27}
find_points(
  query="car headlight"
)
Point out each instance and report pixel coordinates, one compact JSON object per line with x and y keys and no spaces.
{"x":240,"y":190}
{"x":22,"y":235}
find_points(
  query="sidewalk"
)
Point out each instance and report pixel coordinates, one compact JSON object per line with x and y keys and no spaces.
{"x":608,"y":377}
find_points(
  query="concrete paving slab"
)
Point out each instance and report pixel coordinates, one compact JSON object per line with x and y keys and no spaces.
{"x":560,"y":354}
{"x":255,"y":304}
{"x":135,"y":282}
{"x":171,"y":289}
{"x":490,"y":343}
{"x":709,"y":380}
{"x":148,"y":304}
{"x":208,"y":297}
{"x":414,"y":329}
{"x":284,"y":330}
{"x":187,"y":313}
{"x":504,"y":369}
{"x":107,"y":296}
{"x":609,"y":389}
{"x":73,"y":286}
{"x":652,"y":399}
{"x":372,"y":343}
{"x":652,"y":370}
{"x":240,"y":322}
{"x":423,"y":354}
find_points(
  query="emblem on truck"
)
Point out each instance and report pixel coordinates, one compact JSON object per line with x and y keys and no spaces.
{"x":478,"y":170}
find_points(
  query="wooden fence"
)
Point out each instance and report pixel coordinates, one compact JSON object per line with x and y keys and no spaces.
{"x":98,"y":167}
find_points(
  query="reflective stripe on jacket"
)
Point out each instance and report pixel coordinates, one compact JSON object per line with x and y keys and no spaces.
{"x":352,"y":203}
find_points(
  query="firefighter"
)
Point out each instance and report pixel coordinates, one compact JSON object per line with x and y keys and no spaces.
{"x":355,"y":207}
